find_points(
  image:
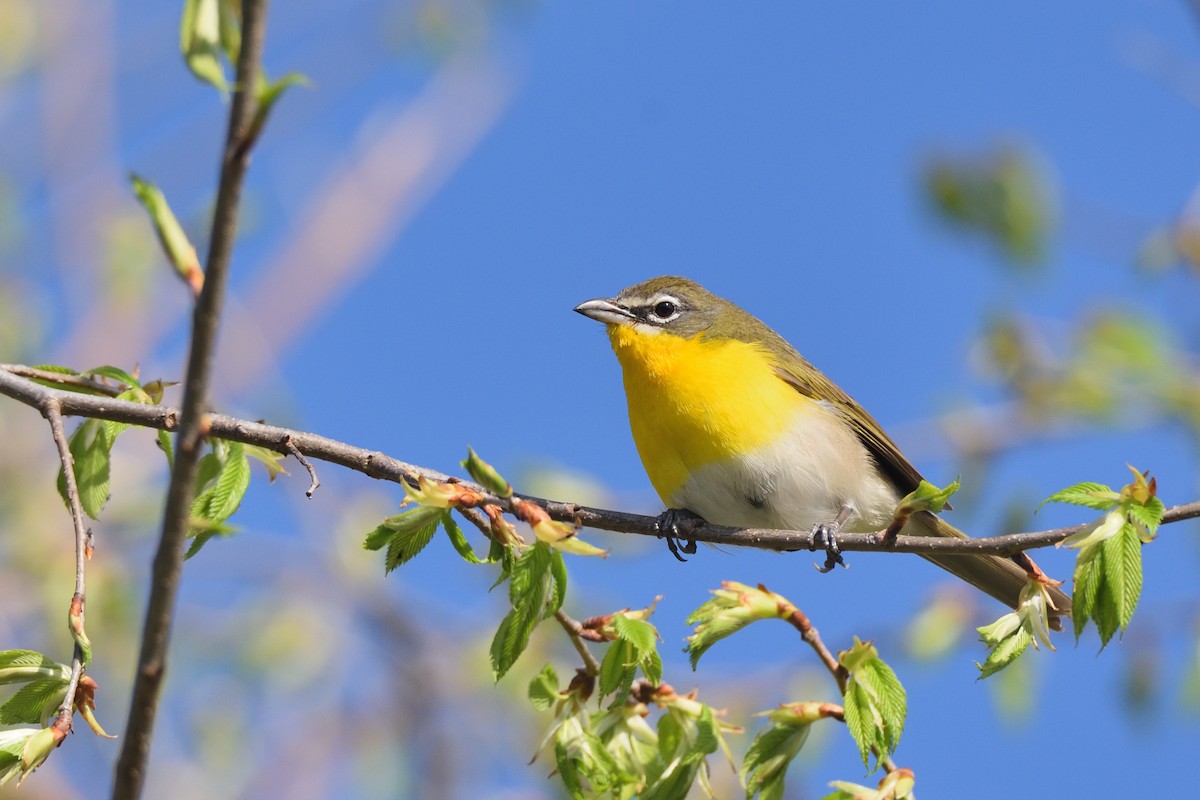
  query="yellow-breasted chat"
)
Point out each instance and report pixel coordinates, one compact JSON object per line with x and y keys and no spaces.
{"x":736,"y":428}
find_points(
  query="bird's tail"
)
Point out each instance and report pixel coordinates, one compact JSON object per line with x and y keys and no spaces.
{"x":995,"y":575}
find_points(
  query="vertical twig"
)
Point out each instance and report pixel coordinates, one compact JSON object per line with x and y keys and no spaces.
{"x":574,"y":631}
{"x":52,"y":411}
{"x":130,"y":774}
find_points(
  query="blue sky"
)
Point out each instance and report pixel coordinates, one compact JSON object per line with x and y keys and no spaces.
{"x":772,"y":153}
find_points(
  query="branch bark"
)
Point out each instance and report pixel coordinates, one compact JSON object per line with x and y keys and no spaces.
{"x":53,"y":414}
{"x":130,"y":775}
{"x":383,"y":467}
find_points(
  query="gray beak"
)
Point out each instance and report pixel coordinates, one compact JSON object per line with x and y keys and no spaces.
{"x":605,"y":311}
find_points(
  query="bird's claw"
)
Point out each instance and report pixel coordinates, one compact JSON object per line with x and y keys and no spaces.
{"x":825,"y":538}
{"x":675,"y":525}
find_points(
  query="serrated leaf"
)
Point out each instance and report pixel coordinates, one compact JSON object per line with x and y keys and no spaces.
{"x":404,"y":546}
{"x":1108,"y":583}
{"x":889,"y":697}
{"x":543,"y":689}
{"x":618,"y":669}
{"x":459,"y":540}
{"x":200,"y":41}
{"x":59,"y":368}
{"x":1005,"y":653}
{"x":531,"y":590}
{"x":859,"y":719}
{"x":1149,"y":515}
{"x":34,"y":703}
{"x":510,"y":641}
{"x":875,"y":702}
{"x":765,"y":764}
{"x":639,"y":633}
{"x":1091,"y":495}
{"x":221,"y":498}
{"x":90,"y":453}
{"x":1125,"y":549}
{"x":18,"y":666}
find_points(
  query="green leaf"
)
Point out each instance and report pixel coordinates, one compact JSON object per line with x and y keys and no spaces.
{"x":639,"y":633}
{"x":204,"y":531}
{"x":543,"y":689}
{"x":231,"y":31}
{"x":18,"y":666}
{"x":1091,"y":495}
{"x":770,"y":755}
{"x":269,"y":93}
{"x":114,"y":373}
{"x":927,"y":497}
{"x":220,"y":499}
{"x":558,"y":574}
{"x":1108,"y":584}
{"x":618,"y":670}
{"x":531,"y":589}
{"x":90,"y":452}
{"x":459,"y":541}
{"x":164,"y":444}
{"x":1005,"y":652}
{"x":733,"y":607}
{"x":200,"y":41}
{"x":270,"y":459}
{"x":404,"y":534}
{"x":874,"y":701}
{"x":1149,"y":515}
{"x":510,"y":641}
{"x":404,"y":546}
{"x":34,"y":703}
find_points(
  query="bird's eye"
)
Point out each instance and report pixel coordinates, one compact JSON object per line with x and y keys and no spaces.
{"x":664,"y":309}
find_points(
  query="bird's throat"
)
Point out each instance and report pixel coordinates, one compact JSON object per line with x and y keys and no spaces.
{"x":695,"y":402}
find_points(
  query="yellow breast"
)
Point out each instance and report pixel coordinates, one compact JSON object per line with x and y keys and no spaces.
{"x":695,"y":402}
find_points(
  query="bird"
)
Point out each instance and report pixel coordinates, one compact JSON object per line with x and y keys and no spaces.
{"x":734,"y":427}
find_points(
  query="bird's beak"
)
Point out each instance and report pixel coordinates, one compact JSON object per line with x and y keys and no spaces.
{"x":605,"y":311}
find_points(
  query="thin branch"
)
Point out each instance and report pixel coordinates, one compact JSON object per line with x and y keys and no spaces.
{"x":52,"y":411}
{"x":800,"y":621}
{"x":82,"y":382}
{"x":313,"y":482}
{"x":808,"y":632}
{"x":575,"y":632}
{"x":130,"y":775}
{"x":383,"y":467}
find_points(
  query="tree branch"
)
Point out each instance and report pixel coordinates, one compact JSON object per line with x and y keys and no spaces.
{"x":575,"y":631}
{"x":129,"y":777}
{"x":52,"y":412}
{"x":383,"y":467}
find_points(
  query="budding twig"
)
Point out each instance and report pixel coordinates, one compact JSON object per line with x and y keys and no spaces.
{"x":53,"y":414}
{"x":381,"y":466}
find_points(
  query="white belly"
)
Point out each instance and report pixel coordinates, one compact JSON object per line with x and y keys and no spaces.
{"x":803,"y":479}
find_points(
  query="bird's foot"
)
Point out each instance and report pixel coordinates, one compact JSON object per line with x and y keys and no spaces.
{"x":675,"y":525}
{"x":825,"y":538}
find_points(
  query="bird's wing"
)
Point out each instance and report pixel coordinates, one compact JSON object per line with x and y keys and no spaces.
{"x":887,"y":455}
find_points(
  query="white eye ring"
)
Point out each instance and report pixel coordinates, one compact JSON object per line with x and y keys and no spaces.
{"x":664,"y":308}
